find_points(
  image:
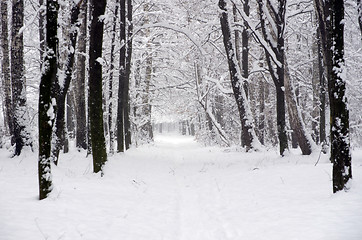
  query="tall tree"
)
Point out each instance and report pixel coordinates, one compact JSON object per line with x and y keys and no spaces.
{"x":322,"y":9}
{"x":276,"y":64}
{"x":340,"y":139}
{"x":146,"y":127}
{"x":237,"y":81}
{"x":81,"y":119}
{"x":245,"y":49}
{"x":316,"y":88}
{"x":127,"y":121}
{"x":62,"y":86}
{"x":123,"y":109}
{"x":97,"y":8}
{"x":146,"y":109}
{"x":295,"y":116}
{"x":5,"y":70}
{"x":46,"y":103}
{"x":21,"y":135}
{"x":110,"y":84}
{"x":273,"y":29}
{"x":122,"y":79}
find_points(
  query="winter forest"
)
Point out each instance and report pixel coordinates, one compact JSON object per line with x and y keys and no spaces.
{"x":181,"y":119}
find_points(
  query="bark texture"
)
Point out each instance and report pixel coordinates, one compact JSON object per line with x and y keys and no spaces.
{"x":295,"y":117}
{"x":340,"y":139}
{"x":95,"y":85}
{"x":81,"y":117}
{"x":5,"y":69}
{"x":237,"y":81}
{"x":46,"y":103}
{"x":61,"y":91}
{"x":122,"y":79}
{"x":127,"y":122}
{"x":110,"y":84}
{"x":276,"y":65}
{"x":21,"y":120}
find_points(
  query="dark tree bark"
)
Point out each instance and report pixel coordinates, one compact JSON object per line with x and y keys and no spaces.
{"x":238,"y":90}
{"x":322,"y":9}
{"x":81,"y":119}
{"x":127,"y":122}
{"x":122,"y":79}
{"x":21,"y":135}
{"x":245,"y":50}
{"x":123,"y":111}
{"x":5,"y":70}
{"x":277,"y":71}
{"x":261,"y":125}
{"x":61,"y":91}
{"x":95,"y":85}
{"x":46,"y":105}
{"x":340,"y":139}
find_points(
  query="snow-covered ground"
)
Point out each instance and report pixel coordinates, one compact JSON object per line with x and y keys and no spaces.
{"x":177,"y":189}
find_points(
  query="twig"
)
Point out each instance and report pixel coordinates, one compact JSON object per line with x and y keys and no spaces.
{"x":320,"y":153}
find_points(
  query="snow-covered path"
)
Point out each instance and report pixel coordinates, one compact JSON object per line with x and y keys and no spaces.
{"x":178,"y":190}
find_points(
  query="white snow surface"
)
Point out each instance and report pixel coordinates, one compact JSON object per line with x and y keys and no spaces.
{"x":177,"y":189}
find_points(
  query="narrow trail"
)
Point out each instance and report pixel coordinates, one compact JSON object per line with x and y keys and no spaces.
{"x":198,"y":199}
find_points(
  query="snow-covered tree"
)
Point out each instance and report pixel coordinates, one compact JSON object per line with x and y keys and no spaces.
{"x":47,"y":99}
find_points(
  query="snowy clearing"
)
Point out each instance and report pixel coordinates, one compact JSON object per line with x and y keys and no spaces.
{"x":177,"y":189}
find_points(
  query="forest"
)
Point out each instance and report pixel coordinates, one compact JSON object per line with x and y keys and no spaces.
{"x":88,"y":83}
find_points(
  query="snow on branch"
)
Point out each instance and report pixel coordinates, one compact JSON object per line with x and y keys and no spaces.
{"x":169,"y":26}
{"x":258,"y":37}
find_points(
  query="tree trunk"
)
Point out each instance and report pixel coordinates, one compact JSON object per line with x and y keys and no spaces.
{"x":61,"y":90}
{"x":322,"y":96}
{"x":41,"y":32}
{"x":245,"y":50}
{"x":5,"y":71}
{"x":69,"y":129}
{"x":146,"y":109}
{"x":248,"y":133}
{"x":122,"y":79}
{"x":277,"y":71}
{"x":127,"y":122}
{"x":110,"y":85}
{"x":261,"y":125}
{"x":21,"y":135}
{"x":46,"y":109}
{"x":340,"y":139}
{"x":324,"y":22}
{"x":316,"y":89}
{"x":295,"y":117}
{"x":95,"y":86}
{"x":81,"y":117}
